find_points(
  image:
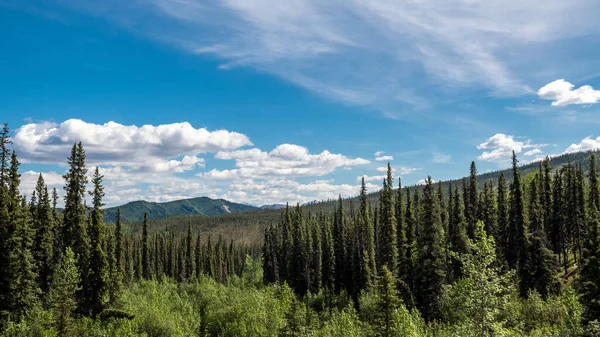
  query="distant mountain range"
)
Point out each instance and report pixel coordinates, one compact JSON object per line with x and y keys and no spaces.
{"x":134,"y":211}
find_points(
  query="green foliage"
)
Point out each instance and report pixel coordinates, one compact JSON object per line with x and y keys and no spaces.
{"x":61,"y":297}
{"x":161,"y":310}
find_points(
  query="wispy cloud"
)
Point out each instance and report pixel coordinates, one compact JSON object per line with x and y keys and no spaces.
{"x":385,"y":54}
{"x":441,"y":158}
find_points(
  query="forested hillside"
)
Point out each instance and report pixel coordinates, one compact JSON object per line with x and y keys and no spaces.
{"x":134,"y":211}
{"x":516,"y":257}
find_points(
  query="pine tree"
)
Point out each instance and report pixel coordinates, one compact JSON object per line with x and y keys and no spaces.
{"x":431,"y":271}
{"x":517,"y":242}
{"x":589,"y":274}
{"x":61,"y":297}
{"x":74,"y":233}
{"x":198,"y":255}
{"x":472,"y":209}
{"x":457,"y":236}
{"x":503,"y":225}
{"x":339,"y":237}
{"x":5,"y":225}
{"x":24,"y":290}
{"x":43,"y":226}
{"x":388,"y":239}
{"x":410,"y":253}
{"x":489,"y":211}
{"x":189,"y":255}
{"x":328,"y":254}
{"x":96,"y":284}
{"x":146,"y":271}
{"x":543,"y":265}
{"x":594,"y":198}
{"x":546,"y":197}
{"x":367,"y":239}
{"x":387,"y":302}
{"x":119,"y":244}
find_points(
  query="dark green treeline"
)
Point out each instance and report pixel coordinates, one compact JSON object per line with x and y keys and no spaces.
{"x":545,"y":224}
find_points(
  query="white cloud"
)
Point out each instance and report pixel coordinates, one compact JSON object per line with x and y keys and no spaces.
{"x":378,"y":153}
{"x":587,"y":144}
{"x":29,"y":181}
{"x":499,"y":147}
{"x":384,"y":53}
{"x":533,"y":152}
{"x":384,"y":158}
{"x":371,"y":178}
{"x":561,"y":93}
{"x":146,"y":148}
{"x":286,"y":160}
{"x":402,"y":170}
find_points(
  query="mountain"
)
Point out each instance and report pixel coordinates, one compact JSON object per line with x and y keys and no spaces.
{"x":274,"y":206}
{"x":134,"y":211}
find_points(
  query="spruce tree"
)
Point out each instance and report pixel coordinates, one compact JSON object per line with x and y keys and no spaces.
{"x":472,"y":209}
{"x":119,"y":262}
{"x":589,"y":274}
{"x":388,"y":239}
{"x":74,"y":229}
{"x":146,"y":271}
{"x":328,"y":254}
{"x":367,"y":239}
{"x":517,"y":242}
{"x":61,"y":297}
{"x":96,"y":284}
{"x":431,"y":271}
{"x":189,"y":255}
{"x":543,"y":265}
{"x":339,"y":237}
{"x":43,"y":226}
{"x":503,"y":225}
{"x":594,"y":197}
{"x":457,"y":236}
{"x":387,"y":302}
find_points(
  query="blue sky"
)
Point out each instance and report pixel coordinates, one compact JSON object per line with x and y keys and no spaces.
{"x":264,"y":102}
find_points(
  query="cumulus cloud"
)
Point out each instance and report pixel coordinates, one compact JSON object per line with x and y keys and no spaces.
{"x":500,"y":147}
{"x":286,"y":160}
{"x":587,"y":144}
{"x":533,"y":152}
{"x":561,"y":93}
{"x":29,"y":181}
{"x":162,"y":148}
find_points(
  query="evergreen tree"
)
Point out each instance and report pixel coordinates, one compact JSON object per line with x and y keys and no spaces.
{"x":431,"y":271}
{"x":472,"y":210}
{"x":43,"y":226}
{"x":457,"y":236}
{"x":96,"y":284}
{"x":387,"y":302}
{"x":367,"y":239}
{"x":517,"y":242}
{"x":61,"y":297}
{"x":146,"y":272}
{"x":503,"y":224}
{"x":388,"y":237}
{"x":329,"y":257}
{"x":594,"y":198}
{"x":543,"y":265}
{"x":74,"y":230}
{"x":589,"y":279}
{"x":119,"y":243}
{"x":489,"y":211}
{"x":339,"y":237}
{"x":410,"y":252}
{"x":189,"y":255}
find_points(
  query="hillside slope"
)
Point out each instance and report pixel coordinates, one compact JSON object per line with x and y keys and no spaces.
{"x":134,"y":211}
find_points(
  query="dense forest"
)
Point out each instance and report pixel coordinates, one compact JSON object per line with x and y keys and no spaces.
{"x":519,"y":256}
